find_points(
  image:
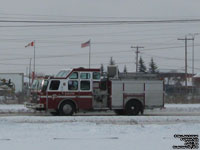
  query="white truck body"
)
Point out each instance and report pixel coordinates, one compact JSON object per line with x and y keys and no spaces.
{"x":149,"y":92}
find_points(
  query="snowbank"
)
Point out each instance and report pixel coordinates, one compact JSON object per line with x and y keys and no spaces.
{"x":179,"y":109}
{"x":4,"y":108}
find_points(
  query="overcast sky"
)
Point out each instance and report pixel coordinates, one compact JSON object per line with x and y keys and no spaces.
{"x":59,"y":46}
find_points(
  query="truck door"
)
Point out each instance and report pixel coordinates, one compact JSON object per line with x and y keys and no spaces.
{"x":85,"y":92}
{"x":100,"y":92}
{"x":154,"y":94}
{"x":53,"y":93}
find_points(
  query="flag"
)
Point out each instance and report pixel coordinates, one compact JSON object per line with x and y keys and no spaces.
{"x":85,"y":44}
{"x":30,"y":44}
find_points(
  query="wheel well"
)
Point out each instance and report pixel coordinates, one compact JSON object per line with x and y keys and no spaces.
{"x":136,"y":101}
{"x":71,"y":101}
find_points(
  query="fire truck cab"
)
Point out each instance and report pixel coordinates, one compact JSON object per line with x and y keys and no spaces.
{"x":85,"y":89}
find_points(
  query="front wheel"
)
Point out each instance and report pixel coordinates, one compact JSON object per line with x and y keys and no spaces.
{"x":66,"y":109}
{"x":133,"y":107}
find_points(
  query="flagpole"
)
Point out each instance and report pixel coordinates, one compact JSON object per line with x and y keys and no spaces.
{"x":34,"y":59}
{"x":30,"y":73}
{"x":89,"y":53}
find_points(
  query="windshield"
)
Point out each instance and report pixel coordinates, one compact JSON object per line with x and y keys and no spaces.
{"x":44,"y":85}
{"x":36,"y":84}
{"x":63,"y":73}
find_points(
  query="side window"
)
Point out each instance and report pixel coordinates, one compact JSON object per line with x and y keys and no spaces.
{"x":54,"y":85}
{"x":85,"y":76}
{"x":74,"y":75}
{"x":85,"y":85}
{"x":96,"y":75}
{"x":72,"y":85}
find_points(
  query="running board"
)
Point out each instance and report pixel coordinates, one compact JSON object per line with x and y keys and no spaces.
{"x":104,"y":108}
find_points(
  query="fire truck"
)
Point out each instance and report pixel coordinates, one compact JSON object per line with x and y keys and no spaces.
{"x":86,"y":89}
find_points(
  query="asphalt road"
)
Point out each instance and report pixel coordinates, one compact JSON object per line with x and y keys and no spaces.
{"x":109,"y":113}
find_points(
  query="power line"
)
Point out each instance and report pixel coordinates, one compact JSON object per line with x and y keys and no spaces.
{"x":168,"y":58}
{"x":102,"y":52}
{"x":102,"y":22}
{"x":81,"y":16}
{"x":62,"y":65}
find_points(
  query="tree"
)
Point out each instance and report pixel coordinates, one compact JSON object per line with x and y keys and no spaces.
{"x":102,"y":69}
{"x":153,"y":67}
{"x":112,"y":62}
{"x":142,"y":67}
{"x":125,"y":69}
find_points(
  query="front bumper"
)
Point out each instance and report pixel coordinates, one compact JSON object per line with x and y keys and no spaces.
{"x":34,"y":105}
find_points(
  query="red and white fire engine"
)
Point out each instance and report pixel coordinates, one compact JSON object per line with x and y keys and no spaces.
{"x":83,"y":89}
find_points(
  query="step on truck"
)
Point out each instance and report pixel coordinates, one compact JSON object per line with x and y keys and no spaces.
{"x":86,"y":89}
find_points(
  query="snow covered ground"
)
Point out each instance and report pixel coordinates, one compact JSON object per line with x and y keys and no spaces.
{"x":97,"y":132}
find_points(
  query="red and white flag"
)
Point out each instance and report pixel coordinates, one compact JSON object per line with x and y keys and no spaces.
{"x":30,"y":44}
{"x":85,"y":44}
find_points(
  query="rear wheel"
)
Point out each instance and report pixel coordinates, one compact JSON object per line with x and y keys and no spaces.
{"x":66,"y":109}
{"x":133,"y":107}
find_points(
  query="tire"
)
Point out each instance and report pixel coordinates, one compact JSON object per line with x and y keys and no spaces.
{"x":133,"y":107}
{"x":119,"y":112}
{"x":66,"y":109}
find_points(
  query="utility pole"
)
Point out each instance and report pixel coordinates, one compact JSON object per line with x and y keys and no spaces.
{"x":137,"y":52}
{"x":27,"y":71}
{"x":186,"y":39}
{"x":193,"y":36}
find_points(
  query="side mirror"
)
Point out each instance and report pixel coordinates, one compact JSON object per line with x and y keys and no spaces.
{"x":44,"y":88}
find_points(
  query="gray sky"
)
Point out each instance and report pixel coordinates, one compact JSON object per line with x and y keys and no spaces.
{"x":63,"y":41}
